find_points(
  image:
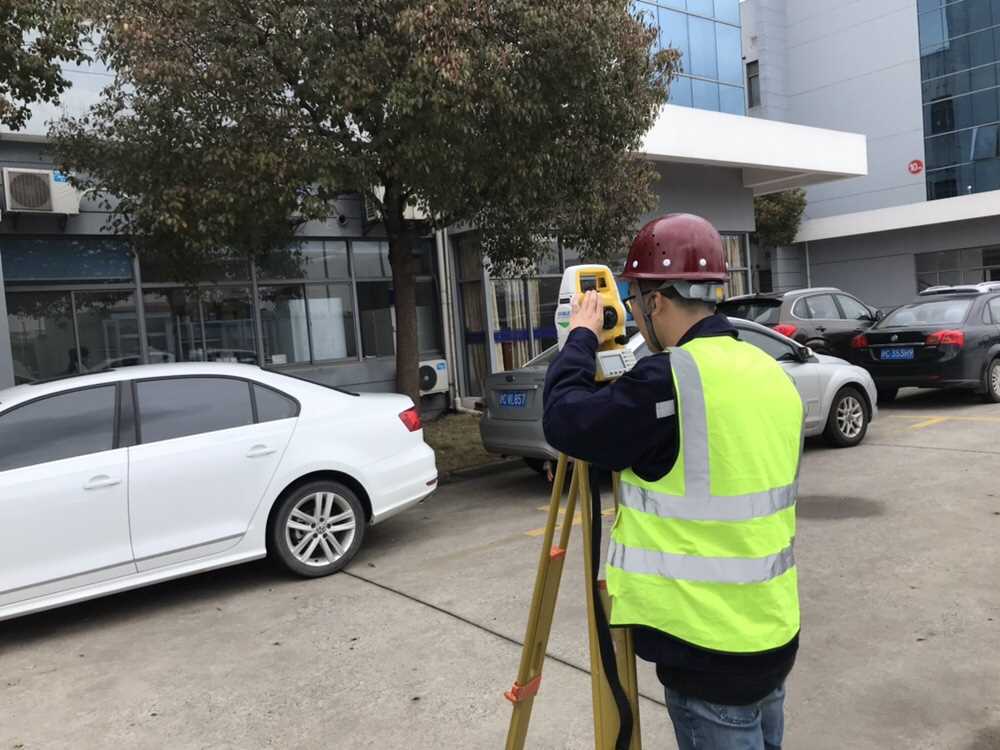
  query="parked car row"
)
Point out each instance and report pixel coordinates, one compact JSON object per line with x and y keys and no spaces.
{"x":840,"y":398}
{"x":949,"y":337}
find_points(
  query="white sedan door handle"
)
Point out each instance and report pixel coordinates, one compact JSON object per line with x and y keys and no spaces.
{"x":101,"y":481}
{"x":259,"y":451}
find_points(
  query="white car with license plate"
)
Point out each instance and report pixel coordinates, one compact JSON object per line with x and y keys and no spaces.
{"x":115,"y":480}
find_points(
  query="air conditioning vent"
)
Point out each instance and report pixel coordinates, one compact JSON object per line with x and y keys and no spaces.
{"x":30,"y":191}
{"x":39,"y":191}
{"x":433,"y":376}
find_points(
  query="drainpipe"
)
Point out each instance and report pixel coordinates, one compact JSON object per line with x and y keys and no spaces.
{"x":808,"y":268}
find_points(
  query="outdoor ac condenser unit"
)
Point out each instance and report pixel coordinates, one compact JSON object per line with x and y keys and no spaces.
{"x":433,"y":376}
{"x":39,"y":191}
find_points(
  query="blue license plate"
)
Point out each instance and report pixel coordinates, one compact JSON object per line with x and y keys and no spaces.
{"x":896,"y":353}
{"x":513,"y":399}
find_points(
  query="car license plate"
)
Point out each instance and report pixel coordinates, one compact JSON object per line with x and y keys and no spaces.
{"x":513,"y":399}
{"x":898,"y":352}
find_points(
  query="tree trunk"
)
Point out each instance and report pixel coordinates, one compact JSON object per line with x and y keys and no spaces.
{"x":404,"y":285}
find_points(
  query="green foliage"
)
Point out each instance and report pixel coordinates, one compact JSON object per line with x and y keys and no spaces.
{"x":230,"y":122}
{"x":34,"y":36}
{"x":778,"y":217}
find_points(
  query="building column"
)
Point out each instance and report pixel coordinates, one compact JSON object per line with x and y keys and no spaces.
{"x":6,"y":354}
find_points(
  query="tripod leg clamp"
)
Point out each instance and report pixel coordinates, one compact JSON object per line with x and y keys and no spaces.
{"x":518,"y":693}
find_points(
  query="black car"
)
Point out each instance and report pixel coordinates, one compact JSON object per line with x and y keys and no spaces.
{"x":948,"y":338}
{"x":824,"y":318}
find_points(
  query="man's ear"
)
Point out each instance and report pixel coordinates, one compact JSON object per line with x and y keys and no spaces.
{"x":657,"y":303}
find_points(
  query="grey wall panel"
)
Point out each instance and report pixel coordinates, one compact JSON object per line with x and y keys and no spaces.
{"x":713,"y":192}
{"x":851,"y":66}
{"x":880,"y":268}
{"x":6,"y":355}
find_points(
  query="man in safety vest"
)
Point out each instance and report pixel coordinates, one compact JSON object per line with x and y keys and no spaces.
{"x":707,"y":432}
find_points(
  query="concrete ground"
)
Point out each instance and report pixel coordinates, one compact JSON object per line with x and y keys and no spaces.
{"x":899,"y":565}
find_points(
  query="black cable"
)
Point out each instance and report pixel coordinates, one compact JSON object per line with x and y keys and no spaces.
{"x":607,"y":649}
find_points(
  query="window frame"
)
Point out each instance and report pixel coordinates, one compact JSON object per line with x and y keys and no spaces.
{"x":817,"y":296}
{"x":248,"y":382}
{"x":843,"y":312}
{"x":753,"y":78}
{"x":792,"y":350}
{"x":116,"y":431}
{"x":993,"y":309}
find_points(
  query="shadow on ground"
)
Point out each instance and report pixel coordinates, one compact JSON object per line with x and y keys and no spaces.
{"x":837,"y":508}
{"x":179,"y":594}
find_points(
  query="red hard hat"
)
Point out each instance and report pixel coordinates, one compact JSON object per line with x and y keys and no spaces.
{"x":677,"y":247}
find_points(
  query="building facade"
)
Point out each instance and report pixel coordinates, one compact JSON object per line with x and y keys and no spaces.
{"x":921,"y":79}
{"x":73,"y":298}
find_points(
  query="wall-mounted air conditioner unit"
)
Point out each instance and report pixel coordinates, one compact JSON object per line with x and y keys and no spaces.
{"x":433,"y":376}
{"x":39,"y":191}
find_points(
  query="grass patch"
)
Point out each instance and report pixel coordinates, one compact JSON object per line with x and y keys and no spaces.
{"x":455,"y":439}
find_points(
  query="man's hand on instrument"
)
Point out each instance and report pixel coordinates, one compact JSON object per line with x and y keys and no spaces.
{"x":587,"y":312}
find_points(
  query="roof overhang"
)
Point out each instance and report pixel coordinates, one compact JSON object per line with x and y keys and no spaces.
{"x":920,"y":214}
{"x":23,"y":137}
{"x":773,"y":155}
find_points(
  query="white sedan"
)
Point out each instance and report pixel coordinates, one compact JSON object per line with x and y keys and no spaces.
{"x":120,"y":479}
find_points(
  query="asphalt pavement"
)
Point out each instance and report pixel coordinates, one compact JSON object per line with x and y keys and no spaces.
{"x":898,"y":559}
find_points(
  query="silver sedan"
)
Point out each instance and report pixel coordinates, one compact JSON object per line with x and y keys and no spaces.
{"x":840,"y":398}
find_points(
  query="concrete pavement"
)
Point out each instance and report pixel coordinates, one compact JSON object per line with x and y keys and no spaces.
{"x":898,"y":555}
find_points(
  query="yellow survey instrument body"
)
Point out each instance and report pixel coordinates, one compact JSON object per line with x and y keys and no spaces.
{"x":613,"y":359}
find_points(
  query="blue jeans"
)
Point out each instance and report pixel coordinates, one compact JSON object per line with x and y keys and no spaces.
{"x":700,"y":725}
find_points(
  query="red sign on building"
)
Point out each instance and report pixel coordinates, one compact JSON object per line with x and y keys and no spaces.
{"x":916,"y":166}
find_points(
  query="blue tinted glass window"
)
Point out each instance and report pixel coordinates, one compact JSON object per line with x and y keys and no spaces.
{"x":985,"y":142}
{"x":923,"y":5}
{"x":702,"y":7}
{"x":674,"y":33}
{"x":679,"y":4}
{"x":645,"y":11}
{"x":984,"y":107}
{"x":731,"y":100}
{"x":680,"y":91}
{"x":728,"y":10}
{"x":931,"y":27}
{"x":703,"y":50}
{"x":705,"y":94}
{"x":730,"y":59}
{"x":982,"y":49}
{"x":64,"y":259}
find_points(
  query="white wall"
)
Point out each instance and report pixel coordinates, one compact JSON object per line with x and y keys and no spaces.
{"x":851,"y":66}
{"x":716,"y":193}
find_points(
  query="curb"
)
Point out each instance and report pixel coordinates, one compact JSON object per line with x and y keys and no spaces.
{"x":482,"y":470}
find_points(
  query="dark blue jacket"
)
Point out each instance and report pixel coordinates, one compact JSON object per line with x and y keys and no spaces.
{"x":615,"y":426}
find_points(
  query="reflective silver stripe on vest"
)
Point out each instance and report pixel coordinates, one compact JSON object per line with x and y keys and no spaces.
{"x":710,"y":508}
{"x":694,"y":423}
{"x":704,"y":569}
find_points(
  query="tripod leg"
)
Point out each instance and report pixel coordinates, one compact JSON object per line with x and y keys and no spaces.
{"x":543,"y":603}
{"x":605,"y":710}
{"x":625,"y":650}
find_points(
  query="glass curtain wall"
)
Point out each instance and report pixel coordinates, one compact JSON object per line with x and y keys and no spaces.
{"x":960,"y":71}
{"x":71,"y":306}
{"x":707,"y":34}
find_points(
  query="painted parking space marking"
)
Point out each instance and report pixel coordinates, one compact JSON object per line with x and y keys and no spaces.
{"x":923,"y":420}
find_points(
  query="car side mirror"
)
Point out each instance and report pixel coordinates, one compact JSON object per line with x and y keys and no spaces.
{"x":877,"y":315}
{"x":804,"y":354}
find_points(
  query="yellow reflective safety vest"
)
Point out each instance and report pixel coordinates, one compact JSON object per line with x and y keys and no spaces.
{"x":705,"y":553}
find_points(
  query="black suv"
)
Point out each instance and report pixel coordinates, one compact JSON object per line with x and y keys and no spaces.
{"x":824,"y":318}
{"x":948,"y":338}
